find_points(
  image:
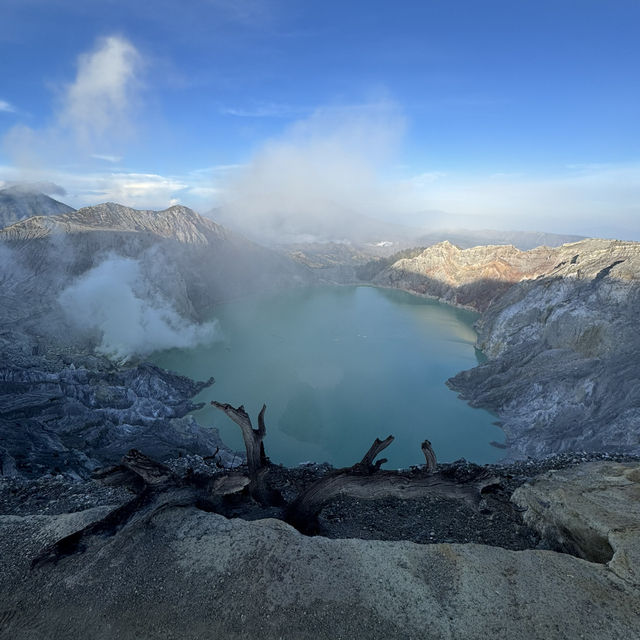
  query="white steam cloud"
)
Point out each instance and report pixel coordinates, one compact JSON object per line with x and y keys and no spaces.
{"x":131,"y":317}
{"x":322,"y":168}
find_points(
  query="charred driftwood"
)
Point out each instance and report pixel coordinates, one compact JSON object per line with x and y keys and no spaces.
{"x":254,"y":447}
{"x":429,"y":456}
{"x":156,"y":487}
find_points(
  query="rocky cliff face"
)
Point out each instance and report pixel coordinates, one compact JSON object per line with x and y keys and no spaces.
{"x":68,"y":415}
{"x":176,"y":223}
{"x":560,"y":330}
{"x":563,"y":369}
{"x":469,"y":277}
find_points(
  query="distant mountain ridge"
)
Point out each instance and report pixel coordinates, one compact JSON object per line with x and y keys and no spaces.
{"x":177,"y":222}
{"x":192,"y":261}
{"x":524,"y":240}
{"x":18,"y":203}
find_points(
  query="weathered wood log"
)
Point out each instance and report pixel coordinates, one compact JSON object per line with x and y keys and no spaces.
{"x":138,"y":511}
{"x":430,"y":457}
{"x":137,"y":471}
{"x":151,"y":472}
{"x":257,"y":461}
{"x":366,"y":464}
{"x":157,"y":489}
{"x":253,"y":444}
{"x":365,"y":480}
{"x":227,"y":484}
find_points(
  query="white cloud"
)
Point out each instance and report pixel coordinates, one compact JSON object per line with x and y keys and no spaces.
{"x":427,"y":178}
{"x":99,"y":100}
{"x":596,"y":199}
{"x":106,"y":158}
{"x":34,"y":187}
{"x":320,"y":168}
{"x":138,"y":190}
{"x":95,"y":111}
{"x":7,"y":107}
{"x":262,"y":110}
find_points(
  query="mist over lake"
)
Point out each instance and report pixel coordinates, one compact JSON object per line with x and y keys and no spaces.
{"x":339,"y":366}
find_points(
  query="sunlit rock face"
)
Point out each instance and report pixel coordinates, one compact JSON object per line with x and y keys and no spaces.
{"x":563,"y":366}
{"x":472,"y":277}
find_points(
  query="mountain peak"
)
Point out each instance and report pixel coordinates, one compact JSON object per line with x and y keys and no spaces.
{"x":19,"y":202}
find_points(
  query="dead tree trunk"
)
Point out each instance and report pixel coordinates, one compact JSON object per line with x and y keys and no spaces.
{"x":429,"y":456}
{"x":257,"y":461}
{"x":365,"y":480}
{"x":158,"y":488}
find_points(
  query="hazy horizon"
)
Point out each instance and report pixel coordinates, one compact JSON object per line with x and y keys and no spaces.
{"x":433,"y":115}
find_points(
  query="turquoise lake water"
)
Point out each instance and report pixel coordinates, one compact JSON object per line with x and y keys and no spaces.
{"x":338,"y":367}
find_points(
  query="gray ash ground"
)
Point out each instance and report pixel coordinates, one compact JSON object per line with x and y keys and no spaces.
{"x":426,"y":521}
{"x":53,"y":495}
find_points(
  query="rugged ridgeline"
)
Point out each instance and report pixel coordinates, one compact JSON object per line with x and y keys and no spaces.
{"x":18,"y":203}
{"x":61,"y":409}
{"x":559,"y":327}
{"x":355,"y":261}
{"x":193,"y":262}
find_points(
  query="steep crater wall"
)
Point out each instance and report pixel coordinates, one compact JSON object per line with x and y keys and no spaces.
{"x":559,"y":328}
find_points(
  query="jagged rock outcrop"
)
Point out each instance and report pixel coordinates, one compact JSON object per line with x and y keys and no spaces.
{"x":71,"y":415}
{"x":20,"y":202}
{"x":591,"y":511}
{"x":177,"y":222}
{"x":183,"y":572}
{"x":563,"y":367}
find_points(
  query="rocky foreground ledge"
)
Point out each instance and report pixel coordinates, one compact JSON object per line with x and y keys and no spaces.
{"x":186,"y":573}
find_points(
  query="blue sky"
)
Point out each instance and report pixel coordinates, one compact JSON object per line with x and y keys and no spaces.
{"x":514,"y":114}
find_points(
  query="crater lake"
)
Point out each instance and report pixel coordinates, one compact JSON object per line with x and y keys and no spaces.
{"x":338,"y":367}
